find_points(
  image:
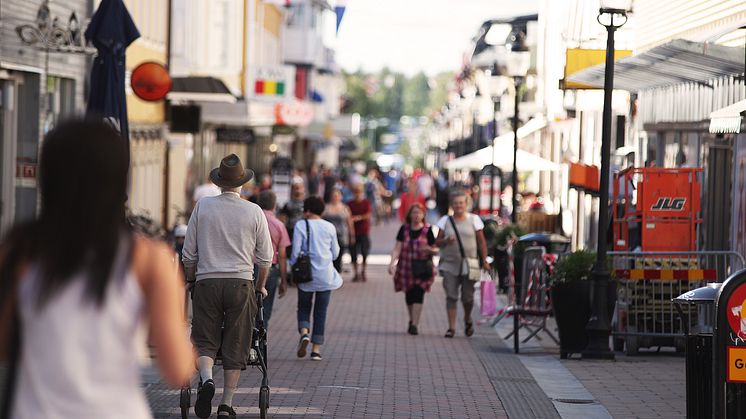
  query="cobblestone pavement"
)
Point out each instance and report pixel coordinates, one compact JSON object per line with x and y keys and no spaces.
{"x":371,"y":367}
{"x":644,"y":386}
{"x":649,"y":385}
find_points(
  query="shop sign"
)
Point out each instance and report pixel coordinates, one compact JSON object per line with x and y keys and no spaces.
{"x":48,"y":33}
{"x":235,"y":135}
{"x":150,"y":81}
{"x":271,"y":82}
{"x":25,"y":170}
{"x":299,"y":114}
{"x":736,"y":364}
{"x":736,"y":355}
{"x":729,"y":348}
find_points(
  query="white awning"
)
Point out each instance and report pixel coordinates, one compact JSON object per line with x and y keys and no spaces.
{"x":502,"y":155}
{"x":200,"y":89}
{"x":728,"y":120}
{"x":678,"y":61}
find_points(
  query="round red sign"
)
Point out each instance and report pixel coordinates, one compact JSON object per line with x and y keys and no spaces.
{"x":150,"y":81}
{"x":737,"y":311}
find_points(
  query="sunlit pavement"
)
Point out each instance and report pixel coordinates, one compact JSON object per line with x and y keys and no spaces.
{"x":373,"y":369}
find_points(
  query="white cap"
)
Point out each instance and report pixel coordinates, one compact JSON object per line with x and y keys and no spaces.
{"x":180,"y":230}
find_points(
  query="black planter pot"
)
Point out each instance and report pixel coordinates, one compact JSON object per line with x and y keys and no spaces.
{"x":571,"y":304}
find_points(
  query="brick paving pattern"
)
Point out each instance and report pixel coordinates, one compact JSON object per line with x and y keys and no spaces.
{"x":371,"y":367}
{"x":650,"y":385}
{"x":518,"y":390}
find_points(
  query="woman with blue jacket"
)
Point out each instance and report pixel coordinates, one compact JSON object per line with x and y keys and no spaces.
{"x":323,"y":249}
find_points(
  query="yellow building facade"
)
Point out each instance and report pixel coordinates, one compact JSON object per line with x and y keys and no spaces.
{"x":147,"y":120}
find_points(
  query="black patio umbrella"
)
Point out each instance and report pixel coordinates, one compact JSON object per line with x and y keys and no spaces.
{"x":111,"y":31}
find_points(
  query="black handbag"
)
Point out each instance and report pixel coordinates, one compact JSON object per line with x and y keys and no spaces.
{"x":301,"y":269}
{"x":421,"y":268}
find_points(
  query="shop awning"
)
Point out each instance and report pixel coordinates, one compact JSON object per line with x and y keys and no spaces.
{"x":728,"y":120}
{"x":234,"y":114}
{"x":675,"y":62}
{"x":503,"y":154}
{"x":200,"y":89}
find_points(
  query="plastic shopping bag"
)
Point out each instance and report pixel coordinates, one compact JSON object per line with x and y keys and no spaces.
{"x":488,"y":294}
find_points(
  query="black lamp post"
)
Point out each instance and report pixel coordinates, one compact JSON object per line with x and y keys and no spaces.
{"x":518,"y":63}
{"x":599,"y":326}
{"x":497,"y":88}
{"x":493,"y":135}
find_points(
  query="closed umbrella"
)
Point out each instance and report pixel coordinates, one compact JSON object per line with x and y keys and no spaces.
{"x":111,"y":31}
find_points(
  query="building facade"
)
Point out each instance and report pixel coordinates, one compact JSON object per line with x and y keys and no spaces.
{"x":149,"y":147}
{"x":41,"y":81}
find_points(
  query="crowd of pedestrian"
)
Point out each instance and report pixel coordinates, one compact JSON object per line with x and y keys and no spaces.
{"x":81,"y":263}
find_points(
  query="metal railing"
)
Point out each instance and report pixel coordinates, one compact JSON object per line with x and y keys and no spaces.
{"x":644,"y":315}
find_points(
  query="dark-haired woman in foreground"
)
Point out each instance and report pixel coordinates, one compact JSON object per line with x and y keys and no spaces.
{"x":85,"y":289}
{"x":315,"y":295}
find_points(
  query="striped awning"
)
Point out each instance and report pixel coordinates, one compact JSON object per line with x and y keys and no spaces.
{"x":675,"y":62}
{"x":728,"y":120}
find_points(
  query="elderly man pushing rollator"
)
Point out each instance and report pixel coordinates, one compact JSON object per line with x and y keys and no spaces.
{"x":226,"y":240}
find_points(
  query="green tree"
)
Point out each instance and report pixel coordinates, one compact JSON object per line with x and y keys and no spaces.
{"x":416,"y":95}
{"x":357,"y":93}
{"x":390,"y":94}
{"x":440,"y":85}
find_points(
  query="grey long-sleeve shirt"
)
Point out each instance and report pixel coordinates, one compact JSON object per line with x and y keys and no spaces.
{"x":226,"y":236}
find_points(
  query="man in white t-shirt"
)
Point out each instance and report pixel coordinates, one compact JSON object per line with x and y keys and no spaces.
{"x":206,"y":189}
{"x":425,"y":185}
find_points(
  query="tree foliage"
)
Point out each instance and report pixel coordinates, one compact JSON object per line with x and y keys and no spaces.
{"x":392,"y":95}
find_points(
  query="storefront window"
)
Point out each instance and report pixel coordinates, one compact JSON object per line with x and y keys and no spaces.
{"x":27,"y":147}
{"x":296,"y":15}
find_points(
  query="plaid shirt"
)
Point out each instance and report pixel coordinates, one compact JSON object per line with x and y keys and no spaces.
{"x":412,"y":249}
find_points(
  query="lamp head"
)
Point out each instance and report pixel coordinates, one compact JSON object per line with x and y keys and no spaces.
{"x":621,"y":6}
{"x":614,"y":13}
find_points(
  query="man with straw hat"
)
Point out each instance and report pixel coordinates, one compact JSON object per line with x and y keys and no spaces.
{"x":226,"y":240}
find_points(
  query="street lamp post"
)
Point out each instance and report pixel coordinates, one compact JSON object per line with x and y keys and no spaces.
{"x":599,"y":327}
{"x":493,"y":168}
{"x":518,"y":63}
{"x":514,"y":178}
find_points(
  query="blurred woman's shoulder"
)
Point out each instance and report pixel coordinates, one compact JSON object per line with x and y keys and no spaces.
{"x":148,"y":254}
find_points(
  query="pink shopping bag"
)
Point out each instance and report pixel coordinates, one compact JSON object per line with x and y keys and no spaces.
{"x":488,"y":294}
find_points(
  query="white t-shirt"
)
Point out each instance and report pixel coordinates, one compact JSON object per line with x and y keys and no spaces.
{"x":425,"y":185}
{"x":207,"y":189}
{"x":478,"y":224}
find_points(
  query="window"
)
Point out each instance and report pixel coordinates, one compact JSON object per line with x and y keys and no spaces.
{"x":296,"y":15}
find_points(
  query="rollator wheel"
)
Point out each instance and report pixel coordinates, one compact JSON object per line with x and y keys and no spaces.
{"x":185,"y":400}
{"x":263,"y":401}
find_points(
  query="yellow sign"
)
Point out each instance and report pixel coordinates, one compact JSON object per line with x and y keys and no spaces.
{"x":580,"y":59}
{"x":736,"y":371}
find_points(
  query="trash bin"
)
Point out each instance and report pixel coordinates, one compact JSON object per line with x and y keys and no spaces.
{"x":553,"y":243}
{"x":698,"y":332}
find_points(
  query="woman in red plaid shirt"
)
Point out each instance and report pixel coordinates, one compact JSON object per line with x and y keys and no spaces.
{"x":412,"y":262}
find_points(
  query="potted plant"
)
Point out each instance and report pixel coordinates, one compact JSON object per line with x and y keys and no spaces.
{"x":570,"y":292}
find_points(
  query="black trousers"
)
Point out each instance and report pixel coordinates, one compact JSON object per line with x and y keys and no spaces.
{"x":415,"y":295}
